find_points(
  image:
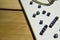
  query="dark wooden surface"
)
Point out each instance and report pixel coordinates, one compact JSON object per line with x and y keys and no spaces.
{"x":13,"y":25}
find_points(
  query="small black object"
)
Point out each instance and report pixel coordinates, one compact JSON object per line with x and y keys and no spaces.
{"x":41,"y":22}
{"x":55,"y":35}
{"x":39,"y":6}
{"x":43,"y":12}
{"x":48,"y":14}
{"x":59,"y":29}
{"x":31,"y":2}
{"x":43,"y":29}
{"x":53,"y":22}
{"x":37,"y":13}
{"x":34,"y":15}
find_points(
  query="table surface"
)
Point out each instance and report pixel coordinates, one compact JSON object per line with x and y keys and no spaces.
{"x":13,"y":25}
{"x":11,"y":4}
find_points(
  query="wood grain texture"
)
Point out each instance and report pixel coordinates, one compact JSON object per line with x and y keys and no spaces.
{"x":10,"y":4}
{"x":13,"y":26}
